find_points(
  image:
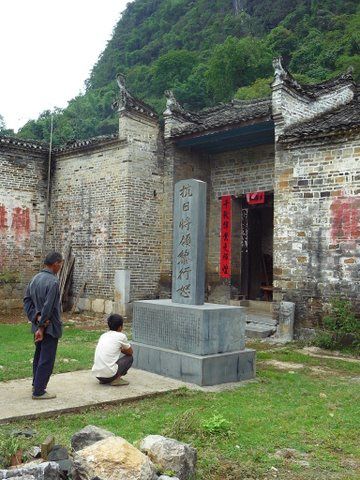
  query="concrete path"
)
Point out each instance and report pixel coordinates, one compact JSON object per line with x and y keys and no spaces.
{"x":76,"y":390}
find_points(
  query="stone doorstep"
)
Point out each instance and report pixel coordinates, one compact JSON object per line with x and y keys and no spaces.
{"x":261,"y":318}
{"x":256,"y":330}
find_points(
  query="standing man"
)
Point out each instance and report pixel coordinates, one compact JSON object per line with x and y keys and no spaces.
{"x":42,"y":306}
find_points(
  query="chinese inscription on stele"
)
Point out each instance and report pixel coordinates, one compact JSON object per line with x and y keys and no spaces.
{"x":188,"y":284}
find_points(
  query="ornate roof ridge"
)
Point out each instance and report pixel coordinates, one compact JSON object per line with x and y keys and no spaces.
{"x":127,"y":102}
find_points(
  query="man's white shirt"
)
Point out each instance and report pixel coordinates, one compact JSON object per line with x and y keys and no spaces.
{"x":107,"y":353}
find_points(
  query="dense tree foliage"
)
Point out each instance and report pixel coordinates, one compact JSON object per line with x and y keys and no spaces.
{"x":208,"y":52}
{"x":3,"y":129}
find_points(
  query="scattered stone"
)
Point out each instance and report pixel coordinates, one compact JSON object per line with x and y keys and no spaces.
{"x":34,"y":452}
{"x":25,"y":432}
{"x":165,"y":477}
{"x":112,"y":458}
{"x":33,"y":471}
{"x":47,"y":446}
{"x":60,"y":455}
{"x":87,"y":436}
{"x":302,"y":463}
{"x":170,"y":454}
{"x":354,"y":379}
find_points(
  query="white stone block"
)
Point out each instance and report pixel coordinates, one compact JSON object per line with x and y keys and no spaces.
{"x":98,"y":305}
{"x":122,"y":286}
{"x":84,"y":304}
{"x":109,"y":305}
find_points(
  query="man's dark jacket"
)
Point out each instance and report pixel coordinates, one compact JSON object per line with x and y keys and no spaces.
{"x":43,"y":297}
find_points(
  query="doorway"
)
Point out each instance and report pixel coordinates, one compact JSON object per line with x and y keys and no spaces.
{"x":257,"y":230}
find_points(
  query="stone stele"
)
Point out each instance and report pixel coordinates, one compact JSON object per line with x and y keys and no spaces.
{"x":188,"y":274}
{"x":184,"y":337}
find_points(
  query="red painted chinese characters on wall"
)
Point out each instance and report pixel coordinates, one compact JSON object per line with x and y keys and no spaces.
{"x":225,"y":237}
{"x":3,"y":217}
{"x":21,"y":220}
{"x":345,"y":219}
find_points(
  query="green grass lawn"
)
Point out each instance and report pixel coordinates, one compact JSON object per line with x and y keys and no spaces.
{"x":17,"y":350}
{"x":313,"y":410}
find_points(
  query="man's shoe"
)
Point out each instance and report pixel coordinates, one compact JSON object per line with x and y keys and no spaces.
{"x":44,"y":396}
{"x":119,"y":381}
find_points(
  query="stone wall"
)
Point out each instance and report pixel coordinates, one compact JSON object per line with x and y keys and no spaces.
{"x":316,"y":237}
{"x":106,"y":201}
{"x":144,"y":197}
{"x":88,"y":210}
{"x":23,"y":169}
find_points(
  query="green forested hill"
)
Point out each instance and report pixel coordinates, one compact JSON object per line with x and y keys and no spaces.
{"x":208,"y":51}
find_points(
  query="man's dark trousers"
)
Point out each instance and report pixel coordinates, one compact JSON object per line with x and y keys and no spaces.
{"x":43,"y":363}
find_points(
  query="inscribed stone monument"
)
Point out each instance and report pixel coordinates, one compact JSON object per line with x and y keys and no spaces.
{"x":189,"y":242}
{"x":185,"y":338}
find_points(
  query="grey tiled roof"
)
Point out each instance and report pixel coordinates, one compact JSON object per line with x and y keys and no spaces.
{"x":341,"y":119}
{"x":235,"y":112}
{"x":316,"y":89}
{"x":88,"y":143}
{"x":7,"y":141}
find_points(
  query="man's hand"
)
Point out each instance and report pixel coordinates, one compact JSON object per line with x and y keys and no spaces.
{"x":39,"y":334}
{"x":127,"y":351}
{"x":37,"y":320}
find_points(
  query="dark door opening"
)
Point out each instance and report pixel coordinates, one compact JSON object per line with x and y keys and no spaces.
{"x":257,"y":229}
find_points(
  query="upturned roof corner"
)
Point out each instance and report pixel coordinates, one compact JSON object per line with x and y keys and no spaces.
{"x":282,"y":77}
{"x":126,"y":102}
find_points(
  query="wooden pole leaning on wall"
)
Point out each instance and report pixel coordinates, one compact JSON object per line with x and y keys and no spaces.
{"x":66,"y":273}
{"x":47,"y":204}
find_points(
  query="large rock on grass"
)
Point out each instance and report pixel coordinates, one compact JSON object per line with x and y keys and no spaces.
{"x":112,"y":459}
{"x":89,"y":435}
{"x":170,"y":454}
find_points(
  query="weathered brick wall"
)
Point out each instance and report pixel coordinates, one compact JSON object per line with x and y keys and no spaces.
{"x":316,"y":231}
{"x":22,"y":207}
{"x":106,"y":201}
{"x":88,"y":209}
{"x":235,"y":173}
{"x":144,"y":196}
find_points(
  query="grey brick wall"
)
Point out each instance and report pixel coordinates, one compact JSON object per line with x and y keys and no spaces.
{"x":22,"y":207}
{"x":316,"y":231}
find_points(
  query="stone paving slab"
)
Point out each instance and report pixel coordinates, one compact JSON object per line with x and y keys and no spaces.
{"x":76,"y":390}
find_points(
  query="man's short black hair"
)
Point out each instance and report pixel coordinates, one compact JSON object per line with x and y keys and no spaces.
{"x":115,"y":321}
{"x":52,"y":258}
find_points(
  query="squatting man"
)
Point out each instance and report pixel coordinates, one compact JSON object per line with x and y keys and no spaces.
{"x":113,"y":355}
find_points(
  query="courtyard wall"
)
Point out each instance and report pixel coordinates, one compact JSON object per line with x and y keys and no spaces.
{"x":23,"y":167}
{"x":316,"y":230}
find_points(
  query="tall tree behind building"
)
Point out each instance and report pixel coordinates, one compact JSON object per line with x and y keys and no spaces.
{"x":208,"y":52}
